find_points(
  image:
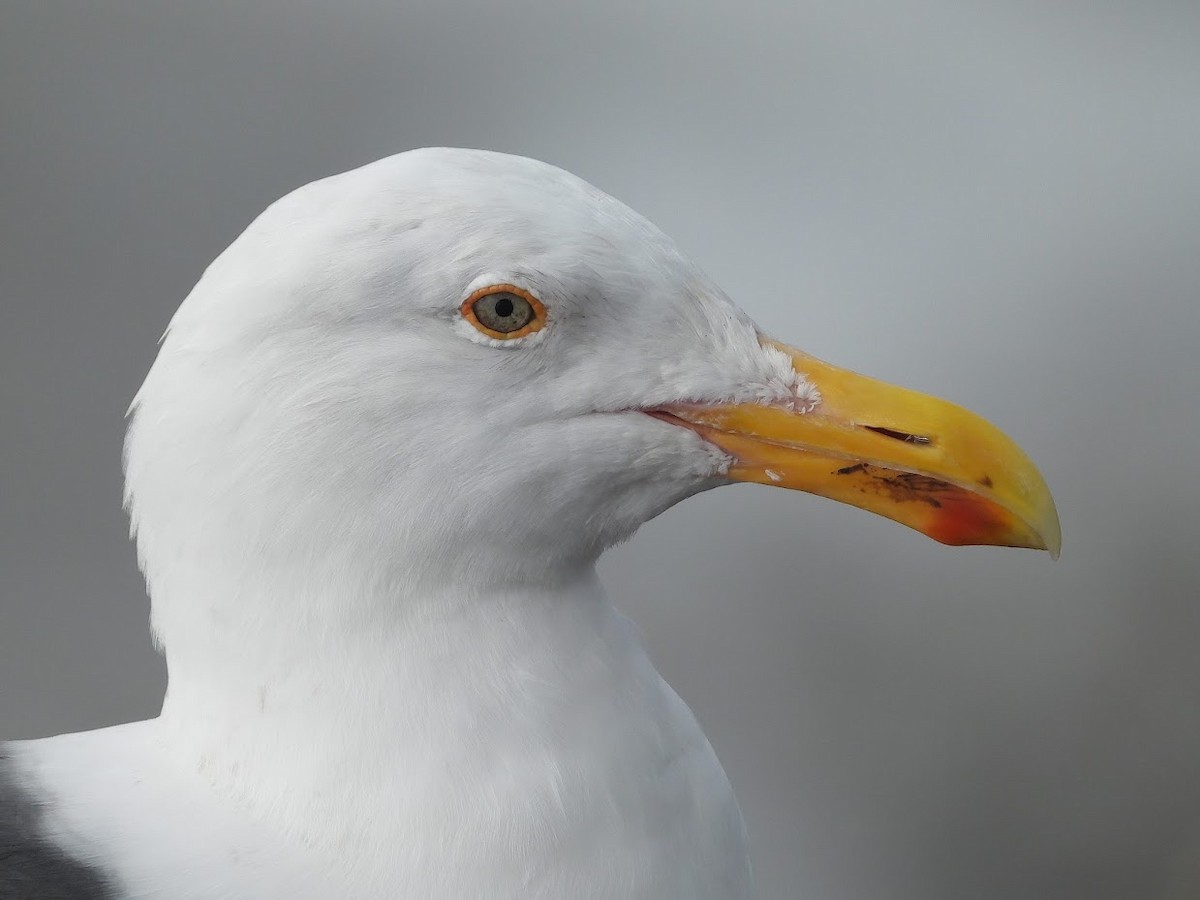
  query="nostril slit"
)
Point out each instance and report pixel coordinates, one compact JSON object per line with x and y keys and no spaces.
{"x":900,"y":435}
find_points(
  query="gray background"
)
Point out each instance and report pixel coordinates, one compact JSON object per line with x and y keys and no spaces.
{"x":995,"y":202}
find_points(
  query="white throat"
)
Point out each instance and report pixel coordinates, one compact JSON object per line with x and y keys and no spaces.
{"x":502,"y":721}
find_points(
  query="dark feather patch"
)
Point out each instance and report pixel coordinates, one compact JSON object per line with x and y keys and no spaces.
{"x":31,"y":866}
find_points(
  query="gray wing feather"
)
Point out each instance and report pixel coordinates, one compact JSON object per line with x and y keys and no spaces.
{"x":32,"y":866}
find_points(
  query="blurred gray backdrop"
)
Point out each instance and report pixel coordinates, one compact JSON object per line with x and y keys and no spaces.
{"x":998,"y":202}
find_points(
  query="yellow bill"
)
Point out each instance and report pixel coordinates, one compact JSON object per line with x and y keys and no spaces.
{"x":918,"y":460}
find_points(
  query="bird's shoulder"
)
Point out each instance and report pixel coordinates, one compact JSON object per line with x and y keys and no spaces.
{"x":32,"y":865}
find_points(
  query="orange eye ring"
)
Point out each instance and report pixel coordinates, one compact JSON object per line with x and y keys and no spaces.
{"x":536,"y":321}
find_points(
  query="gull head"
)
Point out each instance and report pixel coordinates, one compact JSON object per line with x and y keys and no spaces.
{"x":455,"y":367}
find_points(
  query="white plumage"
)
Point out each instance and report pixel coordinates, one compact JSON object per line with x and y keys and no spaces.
{"x":369,"y":532}
{"x":368,"y":529}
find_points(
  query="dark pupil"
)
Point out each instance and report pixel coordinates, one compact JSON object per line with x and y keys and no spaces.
{"x":504,"y":307}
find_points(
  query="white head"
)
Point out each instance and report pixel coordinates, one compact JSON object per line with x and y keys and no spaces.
{"x":321,"y":415}
{"x":325,"y":436}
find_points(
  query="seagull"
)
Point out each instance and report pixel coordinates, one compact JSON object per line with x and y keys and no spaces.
{"x":369,"y":474}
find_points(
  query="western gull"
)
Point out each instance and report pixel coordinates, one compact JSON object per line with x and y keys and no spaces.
{"x":369,"y":474}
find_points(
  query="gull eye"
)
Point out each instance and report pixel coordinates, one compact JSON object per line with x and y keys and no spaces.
{"x":504,"y":311}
